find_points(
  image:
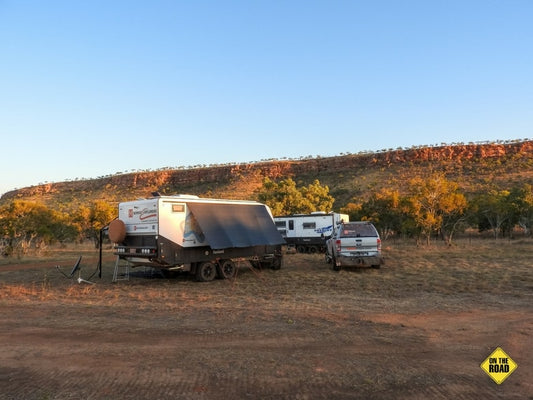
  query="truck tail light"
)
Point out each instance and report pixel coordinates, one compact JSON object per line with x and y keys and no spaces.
{"x":338,"y":244}
{"x":379,"y":244}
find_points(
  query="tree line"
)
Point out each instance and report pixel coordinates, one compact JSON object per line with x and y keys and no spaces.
{"x":426,"y":207}
{"x":26,"y":225}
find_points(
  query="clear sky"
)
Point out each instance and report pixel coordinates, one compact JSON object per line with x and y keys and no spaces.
{"x":91,"y":88}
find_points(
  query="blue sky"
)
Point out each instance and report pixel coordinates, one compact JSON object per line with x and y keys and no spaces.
{"x":91,"y":88}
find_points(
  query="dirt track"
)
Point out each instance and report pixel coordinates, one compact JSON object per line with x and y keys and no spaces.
{"x":304,"y":332}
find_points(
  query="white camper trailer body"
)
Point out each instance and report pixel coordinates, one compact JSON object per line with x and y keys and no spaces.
{"x":166,"y":216}
{"x":181,"y":232}
{"x":308,"y":232}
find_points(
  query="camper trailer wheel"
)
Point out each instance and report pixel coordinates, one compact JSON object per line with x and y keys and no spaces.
{"x":167,"y":274}
{"x":227,"y":269}
{"x":276,"y":263}
{"x":206,"y":271}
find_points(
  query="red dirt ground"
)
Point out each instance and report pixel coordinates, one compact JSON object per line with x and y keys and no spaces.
{"x":304,"y":332}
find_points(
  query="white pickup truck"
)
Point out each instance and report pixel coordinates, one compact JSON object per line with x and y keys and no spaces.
{"x":354,"y":244}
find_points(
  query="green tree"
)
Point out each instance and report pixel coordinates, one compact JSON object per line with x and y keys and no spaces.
{"x":493,"y":210}
{"x":90,"y":219}
{"x":383,"y":208}
{"x":520,"y":202}
{"x":27,"y":224}
{"x":524,"y":207}
{"x":436,"y":205}
{"x":354,"y":209}
{"x":285,"y":198}
{"x":317,"y":197}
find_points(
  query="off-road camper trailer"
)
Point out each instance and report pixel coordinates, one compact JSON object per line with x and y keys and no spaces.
{"x":202,"y":236}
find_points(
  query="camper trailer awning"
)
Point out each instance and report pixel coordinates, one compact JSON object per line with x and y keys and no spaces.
{"x":235,"y":225}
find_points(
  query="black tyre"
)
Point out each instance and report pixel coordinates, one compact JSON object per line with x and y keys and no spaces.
{"x":227,"y":269}
{"x":334,"y":264}
{"x":206,"y":271}
{"x":276,"y":263}
{"x":301,"y":249}
{"x":168,"y":274}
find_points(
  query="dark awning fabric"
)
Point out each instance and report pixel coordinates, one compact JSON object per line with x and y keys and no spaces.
{"x":235,"y":225}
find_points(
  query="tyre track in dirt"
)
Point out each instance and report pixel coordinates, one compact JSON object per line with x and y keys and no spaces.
{"x":264,"y":338}
{"x":358,"y":358}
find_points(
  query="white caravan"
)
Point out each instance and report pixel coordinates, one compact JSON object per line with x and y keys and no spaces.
{"x":308,"y":232}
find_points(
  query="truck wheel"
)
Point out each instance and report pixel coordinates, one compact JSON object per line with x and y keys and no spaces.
{"x":300,"y":249}
{"x":227,"y":269}
{"x":206,"y":271}
{"x":334,"y":264}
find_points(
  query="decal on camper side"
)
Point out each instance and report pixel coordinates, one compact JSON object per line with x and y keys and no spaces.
{"x":324,"y":229}
{"x":144,"y":214}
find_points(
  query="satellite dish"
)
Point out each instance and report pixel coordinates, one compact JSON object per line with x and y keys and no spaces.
{"x":76,"y":266}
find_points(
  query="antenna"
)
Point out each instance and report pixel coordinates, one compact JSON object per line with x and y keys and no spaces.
{"x":76,"y":267}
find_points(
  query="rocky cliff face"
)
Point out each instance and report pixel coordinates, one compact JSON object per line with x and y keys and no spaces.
{"x":236,"y":180}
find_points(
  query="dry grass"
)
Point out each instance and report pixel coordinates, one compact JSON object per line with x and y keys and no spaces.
{"x":302,"y":332}
{"x":475,"y":271}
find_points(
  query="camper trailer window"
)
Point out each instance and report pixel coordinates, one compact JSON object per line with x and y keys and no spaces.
{"x":309,"y":225}
{"x":280,"y":224}
{"x":178,"y":208}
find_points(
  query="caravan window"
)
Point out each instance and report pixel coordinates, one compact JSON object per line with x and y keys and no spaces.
{"x":291,"y":225}
{"x":309,"y":225}
{"x":281,"y":224}
{"x":178,"y":207}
